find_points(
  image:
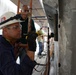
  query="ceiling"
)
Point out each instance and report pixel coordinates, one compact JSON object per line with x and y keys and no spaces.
{"x":50,"y":13}
{"x":38,"y":13}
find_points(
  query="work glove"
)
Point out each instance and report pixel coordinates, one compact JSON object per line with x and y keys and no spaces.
{"x":51,"y":35}
{"x":31,"y":40}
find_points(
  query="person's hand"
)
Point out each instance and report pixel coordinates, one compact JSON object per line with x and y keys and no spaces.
{"x":31,"y":40}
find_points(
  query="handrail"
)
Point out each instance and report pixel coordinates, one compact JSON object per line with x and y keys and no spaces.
{"x":29,"y":19}
{"x":18,"y":7}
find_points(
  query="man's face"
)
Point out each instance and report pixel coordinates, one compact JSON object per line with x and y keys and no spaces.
{"x":14,"y":31}
{"x":25,"y":12}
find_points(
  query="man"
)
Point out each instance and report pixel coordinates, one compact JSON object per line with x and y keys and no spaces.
{"x":40,"y":41}
{"x":11,"y":32}
{"x":25,"y":28}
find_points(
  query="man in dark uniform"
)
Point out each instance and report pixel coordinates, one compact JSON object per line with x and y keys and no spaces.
{"x":25,"y":28}
{"x":11,"y":32}
{"x":24,"y":14}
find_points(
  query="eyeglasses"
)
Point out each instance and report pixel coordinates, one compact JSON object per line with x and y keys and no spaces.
{"x":15,"y":27}
{"x":25,"y":10}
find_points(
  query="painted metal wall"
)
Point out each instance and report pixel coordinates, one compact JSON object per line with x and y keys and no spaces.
{"x":66,"y":35}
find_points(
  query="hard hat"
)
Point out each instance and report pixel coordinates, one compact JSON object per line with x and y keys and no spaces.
{"x":6,"y":16}
{"x":39,"y":32}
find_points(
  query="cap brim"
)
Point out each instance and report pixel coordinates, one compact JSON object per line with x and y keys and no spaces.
{"x":9,"y":22}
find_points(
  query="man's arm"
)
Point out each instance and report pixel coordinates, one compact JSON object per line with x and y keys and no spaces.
{"x":31,"y":54}
{"x":8,"y":65}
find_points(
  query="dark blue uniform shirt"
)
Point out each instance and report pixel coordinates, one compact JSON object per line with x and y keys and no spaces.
{"x":8,"y":65}
{"x":25,"y":30}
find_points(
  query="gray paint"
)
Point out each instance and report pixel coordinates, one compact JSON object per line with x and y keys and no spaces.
{"x":67,"y":35}
{"x":73,"y":43}
{"x":50,"y":12}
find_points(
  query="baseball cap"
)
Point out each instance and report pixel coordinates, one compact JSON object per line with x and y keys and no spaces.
{"x":7,"y":16}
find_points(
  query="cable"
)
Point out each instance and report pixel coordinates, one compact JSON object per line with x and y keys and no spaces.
{"x":18,"y":16}
{"x":39,"y":70}
{"x":41,"y":64}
